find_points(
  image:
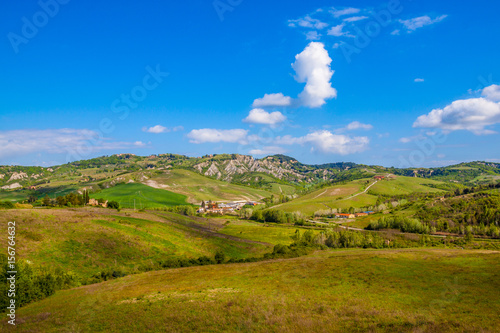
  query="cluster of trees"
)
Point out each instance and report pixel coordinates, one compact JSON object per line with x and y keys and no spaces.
{"x":70,"y":199}
{"x":273,"y":200}
{"x":403,"y":224}
{"x":33,"y":284}
{"x":304,"y":242}
{"x":478,"y":214}
{"x":277,"y":216}
{"x":75,"y":199}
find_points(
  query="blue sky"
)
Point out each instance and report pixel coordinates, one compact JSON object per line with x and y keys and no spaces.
{"x":394,"y":83}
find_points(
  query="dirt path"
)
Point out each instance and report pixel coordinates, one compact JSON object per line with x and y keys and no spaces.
{"x":355,"y":195}
{"x":320,"y":194}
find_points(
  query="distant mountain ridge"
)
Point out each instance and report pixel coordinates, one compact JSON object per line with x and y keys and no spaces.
{"x":241,"y":169}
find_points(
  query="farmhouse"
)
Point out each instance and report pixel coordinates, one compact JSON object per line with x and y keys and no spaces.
{"x":345,"y":216}
{"x":361,"y":214}
{"x":379,"y":177}
{"x":94,"y":202}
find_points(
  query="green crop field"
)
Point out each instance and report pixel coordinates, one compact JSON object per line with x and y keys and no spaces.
{"x":144,"y":196}
{"x":197,"y":187}
{"x":330,"y":291}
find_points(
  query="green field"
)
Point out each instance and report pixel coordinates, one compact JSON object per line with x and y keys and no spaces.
{"x":144,"y":196}
{"x":329,"y":291}
{"x":404,"y":185}
{"x":197,"y":187}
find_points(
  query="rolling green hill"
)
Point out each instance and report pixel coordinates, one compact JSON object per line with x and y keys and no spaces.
{"x":353,"y":194}
{"x":330,"y":291}
{"x":197,"y":187}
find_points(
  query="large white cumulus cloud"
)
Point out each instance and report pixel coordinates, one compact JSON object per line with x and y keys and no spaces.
{"x":312,"y":66}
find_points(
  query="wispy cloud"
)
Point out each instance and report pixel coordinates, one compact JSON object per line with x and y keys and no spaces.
{"x":211,"y":135}
{"x":307,"y":22}
{"x":268,"y":150}
{"x":355,"y":18}
{"x":326,"y":142}
{"x":355,"y":125}
{"x":345,"y":11}
{"x":420,"y":22}
{"x":419,"y":80}
{"x":161,"y":129}
{"x":337,"y":31}
{"x":56,"y":141}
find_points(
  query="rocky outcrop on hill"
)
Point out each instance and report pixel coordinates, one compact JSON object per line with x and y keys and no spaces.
{"x":17,"y":176}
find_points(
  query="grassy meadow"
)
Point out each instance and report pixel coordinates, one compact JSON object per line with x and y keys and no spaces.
{"x":417,"y":290}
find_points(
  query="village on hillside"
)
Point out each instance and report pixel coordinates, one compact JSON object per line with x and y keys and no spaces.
{"x":223,"y":208}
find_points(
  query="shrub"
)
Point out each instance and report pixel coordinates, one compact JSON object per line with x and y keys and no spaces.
{"x":6,"y":204}
{"x":113,"y":205}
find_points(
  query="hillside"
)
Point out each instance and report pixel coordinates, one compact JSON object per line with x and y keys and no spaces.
{"x":91,"y":240}
{"x":330,"y":291}
{"x":229,"y":177}
{"x":359,"y":193}
{"x":197,"y":187}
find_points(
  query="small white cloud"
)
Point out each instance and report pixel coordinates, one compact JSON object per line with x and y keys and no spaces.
{"x":215,"y":135}
{"x":178,"y":128}
{"x":156,"y":129}
{"x":313,"y":35}
{"x":268,"y":150}
{"x":346,"y":11}
{"x":472,"y":114}
{"x":492,"y":93}
{"x":260,"y":116}
{"x":139,"y":144}
{"x":396,"y":32}
{"x":307,"y":22}
{"x":312,"y":66}
{"x":422,"y":21}
{"x":355,"y":18}
{"x":161,"y":129}
{"x":419,"y":80}
{"x":357,"y":125}
{"x":326,"y":142}
{"x":337,"y":30}
{"x":336,"y":46}
{"x":412,"y":138}
{"x":441,"y":156}
{"x":272,"y":100}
